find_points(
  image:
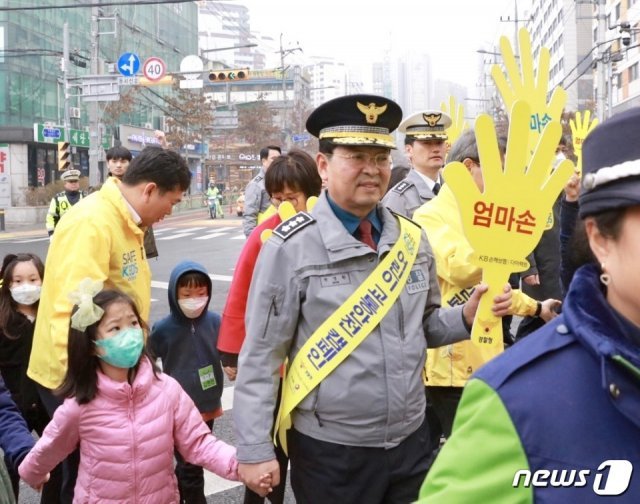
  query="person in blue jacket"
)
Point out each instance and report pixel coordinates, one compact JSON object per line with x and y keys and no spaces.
{"x":186,"y":341}
{"x":556,"y":418}
{"x":15,"y":439}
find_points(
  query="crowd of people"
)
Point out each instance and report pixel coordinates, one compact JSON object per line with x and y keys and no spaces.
{"x":346,"y":331}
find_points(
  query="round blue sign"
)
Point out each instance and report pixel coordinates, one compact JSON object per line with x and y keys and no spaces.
{"x":128,"y":64}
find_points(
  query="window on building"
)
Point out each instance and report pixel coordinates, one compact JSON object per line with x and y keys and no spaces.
{"x":617,"y":12}
{"x":633,"y":72}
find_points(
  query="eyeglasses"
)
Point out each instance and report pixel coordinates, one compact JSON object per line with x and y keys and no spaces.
{"x":293,"y":199}
{"x":362,"y":159}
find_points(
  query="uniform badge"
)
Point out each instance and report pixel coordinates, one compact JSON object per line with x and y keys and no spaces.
{"x":371,"y":111}
{"x":335,"y":280}
{"x":293,"y":225}
{"x":417,"y":281}
{"x":401,"y":187}
{"x":431,"y":119}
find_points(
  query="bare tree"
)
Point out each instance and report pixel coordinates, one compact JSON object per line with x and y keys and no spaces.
{"x":189,"y":115}
{"x":255,"y":124}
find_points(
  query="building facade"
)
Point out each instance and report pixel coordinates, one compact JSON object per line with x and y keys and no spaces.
{"x":31,"y":84}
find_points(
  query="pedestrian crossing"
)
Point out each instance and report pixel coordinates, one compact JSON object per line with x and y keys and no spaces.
{"x":198,"y":233}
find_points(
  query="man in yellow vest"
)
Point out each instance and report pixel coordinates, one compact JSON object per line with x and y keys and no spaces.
{"x":101,"y":238}
{"x":348,"y":293}
{"x":64,"y":200}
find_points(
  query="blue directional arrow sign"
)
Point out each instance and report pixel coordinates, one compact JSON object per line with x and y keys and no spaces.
{"x":128,"y":64}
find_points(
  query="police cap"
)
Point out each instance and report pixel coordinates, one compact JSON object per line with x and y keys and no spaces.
{"x":426,"y":125}
{"x":611,"y":165}
{"x":366,"y":120}
{"x":70,"y":176}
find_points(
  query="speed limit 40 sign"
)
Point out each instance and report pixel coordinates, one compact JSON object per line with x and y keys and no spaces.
{"x":154,"y":68}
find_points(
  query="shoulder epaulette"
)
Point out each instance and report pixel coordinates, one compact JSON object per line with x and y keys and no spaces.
{"x":293,"y":225}
{"x":60,"y":194}
{"x":258,"y":177}
{"x":401,"y":187}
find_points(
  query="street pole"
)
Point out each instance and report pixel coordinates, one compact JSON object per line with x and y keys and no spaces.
{"x":94,"y":121}
{"x":65,"y":82}
{"x":601,"y":94}
{"x":284,"y":88}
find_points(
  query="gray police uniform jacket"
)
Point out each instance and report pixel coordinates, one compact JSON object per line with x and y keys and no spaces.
{"x":256,"y":200}
{"x":408,"y":195}
{"x":374,"y":398}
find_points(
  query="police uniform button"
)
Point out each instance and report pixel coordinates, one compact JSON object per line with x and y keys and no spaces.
{"x":614,"y":390}
{"x":562,"y":329}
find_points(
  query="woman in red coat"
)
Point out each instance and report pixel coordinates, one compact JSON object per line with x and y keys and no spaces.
{"x":290,"y":181}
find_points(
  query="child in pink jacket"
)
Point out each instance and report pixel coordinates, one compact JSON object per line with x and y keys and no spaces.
{"x":124,"y":414}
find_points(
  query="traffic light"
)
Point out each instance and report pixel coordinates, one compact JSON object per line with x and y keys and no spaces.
{"x":228,"y":75}
{"x":64,"y":156}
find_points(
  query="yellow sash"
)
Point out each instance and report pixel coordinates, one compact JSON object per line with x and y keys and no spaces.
{"x":348,"y":326}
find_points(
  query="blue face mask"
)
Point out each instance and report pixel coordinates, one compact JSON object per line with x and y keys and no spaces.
{"x":122,"y":350}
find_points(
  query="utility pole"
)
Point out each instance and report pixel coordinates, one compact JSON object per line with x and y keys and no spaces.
{"x":65,"y":81}
{"x":283,"y":53}
{"x":601,"y":93}
{"x":95,"y":133}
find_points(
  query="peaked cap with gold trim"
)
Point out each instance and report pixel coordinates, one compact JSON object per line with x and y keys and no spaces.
{"x":426,"y":125}
{"x":366,"y":120}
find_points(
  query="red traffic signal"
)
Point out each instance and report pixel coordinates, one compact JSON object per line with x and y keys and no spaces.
{"x":228,"y":75}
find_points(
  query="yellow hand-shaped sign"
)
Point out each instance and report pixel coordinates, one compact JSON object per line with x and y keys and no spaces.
{"x":286,"y":211}
{"x":524,"y":85}
{"x":580,"y":128}
{"x":504,"y":222}
{"x":458,"y":124}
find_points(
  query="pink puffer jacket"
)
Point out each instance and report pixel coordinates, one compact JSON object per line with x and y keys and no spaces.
{"x":127,"y":436}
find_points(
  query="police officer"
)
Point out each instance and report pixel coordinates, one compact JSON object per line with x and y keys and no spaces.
{"x":256,"y":198}
{"x":359,"y":435}
{"x":424,"y":143}
{"x":64,"y":200}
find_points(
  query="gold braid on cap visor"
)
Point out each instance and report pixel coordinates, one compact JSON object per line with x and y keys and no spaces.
{"x":358,"y":135}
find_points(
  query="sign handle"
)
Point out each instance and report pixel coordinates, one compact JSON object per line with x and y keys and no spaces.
{"x":487,"y":328}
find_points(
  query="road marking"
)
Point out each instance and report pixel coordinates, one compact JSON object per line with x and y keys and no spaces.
{"x":208,"y":236}
{"x":226,"y":228}
{"x":239,"y":237}
{"x":162,"y":230}
{"x":191,"y":230}
{"x":175,"y":236}
{"x":32,"y":240}
{"x":156,"y":284}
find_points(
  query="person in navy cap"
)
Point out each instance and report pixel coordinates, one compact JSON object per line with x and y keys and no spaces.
{"x":424,"y":144}
{"x":360,"y":434}
{"x":557,"y":417}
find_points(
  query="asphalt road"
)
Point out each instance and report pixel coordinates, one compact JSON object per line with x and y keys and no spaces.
{"x":215,"y":244}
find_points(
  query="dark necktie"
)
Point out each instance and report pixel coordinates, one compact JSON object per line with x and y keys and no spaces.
{"x":436,"y":188}
{"x":364,"y":230}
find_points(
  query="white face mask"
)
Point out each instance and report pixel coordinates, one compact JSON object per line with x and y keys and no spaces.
{"x":560,"y":157}
{"x":26,"y":294}
{"x":193,"y":307}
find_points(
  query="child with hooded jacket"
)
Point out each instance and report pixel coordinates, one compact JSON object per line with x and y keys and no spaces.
{"x":186,"y":342}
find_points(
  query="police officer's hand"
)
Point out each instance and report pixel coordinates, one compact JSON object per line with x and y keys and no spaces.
{"x":255,"y":475}
{"x":501,"y":303}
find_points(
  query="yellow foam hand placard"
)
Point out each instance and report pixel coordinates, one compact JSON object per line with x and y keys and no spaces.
{"x":286,"y":211}
{"x":458,"y":124}
{"x":580,"y":128}
{"x":524,"y":85}
{"x":504,"y":222}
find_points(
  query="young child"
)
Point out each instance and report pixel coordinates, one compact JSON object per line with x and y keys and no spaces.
{"x":186,"y":342}
{"x":19,"y":295}
{"x":123,"y":413}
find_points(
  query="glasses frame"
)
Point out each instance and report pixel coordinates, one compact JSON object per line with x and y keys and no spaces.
{"x":362,"y":159}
